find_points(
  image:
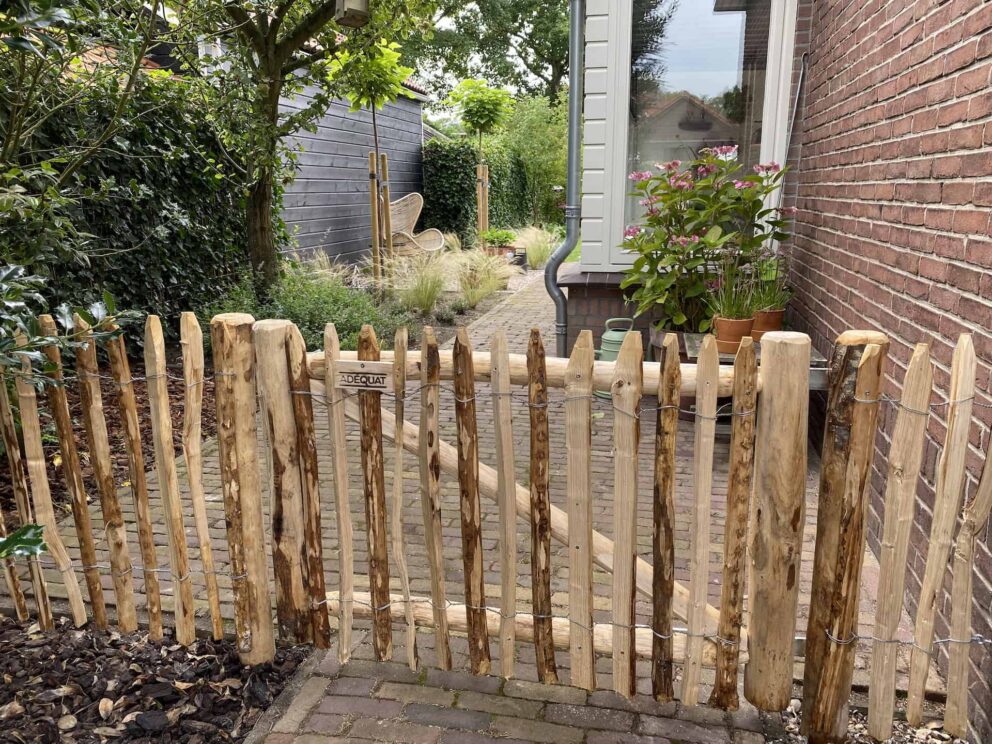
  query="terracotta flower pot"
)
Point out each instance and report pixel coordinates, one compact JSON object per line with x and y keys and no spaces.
{"x":765,"y":321}
{"x":729,"y":333}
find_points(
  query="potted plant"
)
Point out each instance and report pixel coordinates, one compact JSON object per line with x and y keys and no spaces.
{"x":701,"y":221}
{"x":499,"y":242}
{"x":771,"y":295}
{"x":732,"y":306}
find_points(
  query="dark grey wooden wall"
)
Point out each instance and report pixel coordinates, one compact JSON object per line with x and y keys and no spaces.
{"x":327,"y":206}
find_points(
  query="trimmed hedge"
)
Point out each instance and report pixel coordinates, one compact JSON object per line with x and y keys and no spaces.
{"x":449,"y":187}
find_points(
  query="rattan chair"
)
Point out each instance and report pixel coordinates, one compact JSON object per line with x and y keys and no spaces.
{"x":405,"y":212}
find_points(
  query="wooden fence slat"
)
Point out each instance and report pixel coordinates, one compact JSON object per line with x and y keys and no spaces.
{"x":946,"y":507}
{"x":540,"y":510}
{"x":120,"y":369}
{"x":777,"y":517}
{"x":471,"y":509}
{"x":626,"y":390}
{"x":387,"y":213}
{"x":192,"y":344}
{"x":735,"y":535}
{"x":375,"y":502}
{"x":19,"y":481}
{"x":168,"y":480}
{"x":400,"y":343}
{"x":95,"y":423}
{"x":342,"y":500}
{"x":59,"y":406}
{"x":286,"y":487}
{"x":976,"y":516}
{"x":904,"y":460}
{"x":234,"y":390}
{"x":854,"y":382}
{"x":702,"y":479}
{"x":306,"y":437}
{"x":506,"y":485}
{"x":578,"y":465}
{"x":663,"y":543}
{"x":430,"y":492}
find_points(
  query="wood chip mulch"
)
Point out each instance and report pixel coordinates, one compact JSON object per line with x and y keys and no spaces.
{"x":86,"y":686}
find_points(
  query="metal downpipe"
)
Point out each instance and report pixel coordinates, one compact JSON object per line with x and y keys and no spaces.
{"x":573,"y":191}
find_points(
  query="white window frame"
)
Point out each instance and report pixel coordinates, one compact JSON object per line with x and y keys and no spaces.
{"x":775,"y":118}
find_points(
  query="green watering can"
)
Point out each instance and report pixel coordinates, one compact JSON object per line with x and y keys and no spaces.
{"x":609,"y":346}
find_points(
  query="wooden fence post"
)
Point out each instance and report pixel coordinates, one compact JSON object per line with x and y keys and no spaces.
{"x":74,"y":480}
{"x":854,"y":383}
{"x":663,"y":544}
{"x":976,"y":516}
{"x":192,"y":344}
{"x":234,"y":389}
{"x":342,"y":500}
{"x":286,"y":487}
{"x":120,"y":368}
{"x":506,"y":487}
{"x":306,"y":438}
{"x":19,"y":481}
{"x":947,"y":506}
{"x":778,"y":509}
{"x":387,"y":213}
{"x":430,"y":493}
{"x":540,"y":510}
{"x":400,"y":344}
{"x":626,"y":391}
{"x":375,"y":502}
{"x":708,"y":373}
{"x":905,"y":457}
{"x":41,"y":496}
{"x":471,"y":510}
{"x":168,"y":480}
{"x":578,"y":465}
{"x":735,"y":535}
{"x":91,"y":400}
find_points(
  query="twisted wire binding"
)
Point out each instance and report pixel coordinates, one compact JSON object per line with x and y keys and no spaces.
{"x":976,"y":639}
{"x":140,"y":569}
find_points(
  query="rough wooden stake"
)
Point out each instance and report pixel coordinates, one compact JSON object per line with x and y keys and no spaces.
{"x":947,"y":506}
{"x":540,"y":510}
{"x":400,"y":342}
{"x":854,"y":382}
{"x":342,"y":500}
{"x":120,"y":369}
{"x":306,"y":444}
{"x":375,"y":502}
{"x":626,"y":389}
{"x":237,"y":438}
{"x":95,"y":423}
{"x":387,"y":212}
{"x":578,"y":466}
{"x":471,"y":510}
{"x":905,"y":458}
{"x":286,"y":486}
{"x":702,"y":481}
{"x":192,"y":344}
{"x":663,"y":544}
{"x":430,"y":492}
{"x":73,"y":475}
{"x":165,"y":466}
{"x":19,"y":482}
{"x":506,"y":485}
{"x":778,"y":509}
{"x":739,"y":483}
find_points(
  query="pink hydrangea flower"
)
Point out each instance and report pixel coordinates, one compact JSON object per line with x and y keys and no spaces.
{"x":632,"y":232}
{"x":671,"y":166}
{"x":765,"y":168}
{"x":725,"y":151}
{"x":640,"y":176}
{"x":742,"y":185}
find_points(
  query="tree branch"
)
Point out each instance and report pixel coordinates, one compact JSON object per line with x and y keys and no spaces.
{"x":303,"y":63}
{"x":246,"y":26}
{"x":306,"y":29}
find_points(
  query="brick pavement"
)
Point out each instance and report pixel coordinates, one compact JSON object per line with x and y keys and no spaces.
{"x":528,"y":306}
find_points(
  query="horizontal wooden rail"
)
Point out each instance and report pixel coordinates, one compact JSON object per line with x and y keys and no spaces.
{"x":603,"y":372}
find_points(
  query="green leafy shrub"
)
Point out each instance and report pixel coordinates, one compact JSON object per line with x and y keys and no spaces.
{"x":499,"y":238}
{"x":537,"y":135}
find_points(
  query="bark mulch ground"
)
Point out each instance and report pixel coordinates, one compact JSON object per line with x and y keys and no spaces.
{"x":86,"y":686}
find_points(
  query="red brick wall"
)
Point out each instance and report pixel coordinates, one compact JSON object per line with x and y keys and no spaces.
{"x":894,"y":189}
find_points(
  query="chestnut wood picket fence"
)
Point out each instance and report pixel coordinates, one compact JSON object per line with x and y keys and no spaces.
{"x":265,"y":367}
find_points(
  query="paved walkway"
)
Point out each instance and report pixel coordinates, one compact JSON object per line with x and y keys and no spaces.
{"x":527,"y":307}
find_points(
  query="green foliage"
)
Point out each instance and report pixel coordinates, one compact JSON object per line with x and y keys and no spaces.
{"x":370,"y":77}
{"x":311,"y":300}
{"x":449,"y":188}
{"x":705,"y":227}
{"x":481,"y":108}
{"x":27,"y":540}
{"x":499,"y":238}
{"x":537,"y":135}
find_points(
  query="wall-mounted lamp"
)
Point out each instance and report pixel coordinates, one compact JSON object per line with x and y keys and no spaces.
{"x":352,"y":13}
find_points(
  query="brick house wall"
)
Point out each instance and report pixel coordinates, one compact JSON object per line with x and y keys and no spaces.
{"x":893,"y":183}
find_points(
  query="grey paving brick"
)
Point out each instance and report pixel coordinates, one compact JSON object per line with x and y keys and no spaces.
{"x":549,"y":693}
{"x":324,"y":723}
{"x":703,"y":714}
{"x":589,"y":717}
{"x":415,"y":694}
{"x":616,"y":737}
{"x":472,"y":737}
{"x":463,"y":681}
{"x":308,"y":696}
{"x":358,"y":686}
{"x":355,"y":706}
{"x":500,"y":704}
{"x":433,"y":715}
{"x":537,"y":730}
{"x":686,"y":731}
{"x":398,"y":731}
{"x":388,"y":671}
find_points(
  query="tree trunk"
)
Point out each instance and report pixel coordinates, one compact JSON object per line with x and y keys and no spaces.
{"x":261,"y":235}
